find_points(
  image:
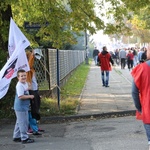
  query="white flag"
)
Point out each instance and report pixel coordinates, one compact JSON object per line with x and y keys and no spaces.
{"x":18,"y":60}
{"x":15,"y":35}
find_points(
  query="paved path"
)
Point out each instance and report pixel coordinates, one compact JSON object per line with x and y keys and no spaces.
{"x":97,"y":99}
{"x":123,"y":133}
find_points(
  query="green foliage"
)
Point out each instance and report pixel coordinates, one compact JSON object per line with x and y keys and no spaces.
{"x":136,"y":5}
{"x":64,"y":19}
{"x":5,"y":13}
{"x":6,"y":103}
{"x":140,"y":10}
{"x":3,"y":58}
{"x":61,"y":20}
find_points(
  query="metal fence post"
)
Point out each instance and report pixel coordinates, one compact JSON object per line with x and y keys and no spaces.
{"x":58,"y":89}
{"x":86,"y":48}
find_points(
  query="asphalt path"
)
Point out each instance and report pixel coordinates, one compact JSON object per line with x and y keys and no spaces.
{"x":97,"y":124}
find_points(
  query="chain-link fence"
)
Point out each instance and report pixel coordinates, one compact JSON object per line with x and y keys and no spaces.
{"x":46,"y":67}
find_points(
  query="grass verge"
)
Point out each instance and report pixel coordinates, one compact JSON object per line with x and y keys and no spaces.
{"x":69,"y":95}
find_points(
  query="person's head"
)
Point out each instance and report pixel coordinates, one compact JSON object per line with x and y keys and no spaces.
{"x":104,"y":48}
{"x":142,"y":49}
{"x":22,"y":76}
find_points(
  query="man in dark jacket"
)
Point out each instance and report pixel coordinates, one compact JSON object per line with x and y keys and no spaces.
{"x":95,"y":55}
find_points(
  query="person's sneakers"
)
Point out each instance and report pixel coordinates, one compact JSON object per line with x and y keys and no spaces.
{"x":107,"y":86}
{"x":17,"y":139}
{"x":40,"y":130}
{"x":29,"y":132}
{"x":27,"y":141}
{"x":36,"y":133}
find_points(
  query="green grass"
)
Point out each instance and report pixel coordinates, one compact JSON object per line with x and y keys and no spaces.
{"x":49,"y":107}
{"x":69,"y":95}
{"x":44,"y":85}
{"x":76,"y":82}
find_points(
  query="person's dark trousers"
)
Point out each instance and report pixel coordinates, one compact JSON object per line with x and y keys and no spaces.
{"x":35,"y":104}
{"x":130,"y":64}
{"x":123,"y":63}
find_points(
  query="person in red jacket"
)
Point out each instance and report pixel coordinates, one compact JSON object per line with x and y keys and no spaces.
{"x":104,"y":59}
{"x":141,"y":93}
{"x":130,"y":58}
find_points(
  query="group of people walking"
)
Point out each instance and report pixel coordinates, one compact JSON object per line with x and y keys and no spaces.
{"x":139,"y":62}
{"x":130,"y":57}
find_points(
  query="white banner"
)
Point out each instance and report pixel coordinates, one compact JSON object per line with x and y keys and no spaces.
{"x":17,"y":60}
{"x":15,"y":35}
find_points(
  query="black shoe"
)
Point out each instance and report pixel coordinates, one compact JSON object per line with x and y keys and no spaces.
{"x":27,"y":141}
{"x":107,"y":86}
{"x":103,"y":85}
{"x":41,"y":130}
{"x":17,"y":139}
{"x":36,"y":133}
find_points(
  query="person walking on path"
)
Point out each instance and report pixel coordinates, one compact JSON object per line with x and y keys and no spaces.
{"x":130,"y":58}
{"x":144,"y":57}
{"x":104,"y":59}
{"x":122,"y":57}
{"x":135,"y":59}
{"x":95,"y":55}
{"x":140,"y":54}
{"x":117,"y":56}
{"x":21,"y":107}
{"x":141,"y":92}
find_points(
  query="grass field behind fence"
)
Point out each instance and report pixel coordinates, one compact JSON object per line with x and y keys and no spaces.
{"x":69,"y":95}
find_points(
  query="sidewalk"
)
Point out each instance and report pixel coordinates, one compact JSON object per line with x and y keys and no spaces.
{"x":97,"y":99}
{"x":116,"y":133}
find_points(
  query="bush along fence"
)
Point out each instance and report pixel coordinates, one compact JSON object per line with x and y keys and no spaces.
{"x":53,"y":69}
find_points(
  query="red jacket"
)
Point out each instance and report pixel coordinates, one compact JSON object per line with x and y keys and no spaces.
{"x":105,"y":58}
{"x":141,"y":75}
{"x":130,"y":55}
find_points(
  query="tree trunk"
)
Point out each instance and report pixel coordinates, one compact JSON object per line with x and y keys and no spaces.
{"x":5,"y":18}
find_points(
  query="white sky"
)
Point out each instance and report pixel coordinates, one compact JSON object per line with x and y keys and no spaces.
{"x":99,"y":38}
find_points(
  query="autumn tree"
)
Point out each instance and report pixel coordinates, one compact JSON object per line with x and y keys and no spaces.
{"x":5,"y":14}
{"x":140,"y":21}
{"x":60,"y":20}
